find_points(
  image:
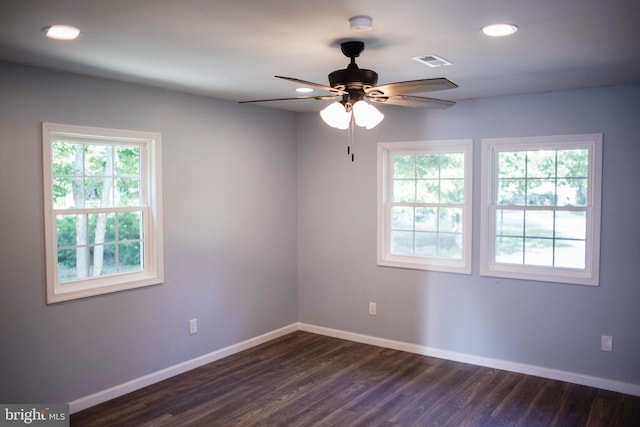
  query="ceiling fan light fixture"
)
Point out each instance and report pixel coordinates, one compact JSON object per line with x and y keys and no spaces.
{"x":499,"y":30}
{"x":336,"y":116}
{"x":366,"y":115}
{"x":62,"y":32}
{"x":304,"y":90}
{"x":354,"y":84}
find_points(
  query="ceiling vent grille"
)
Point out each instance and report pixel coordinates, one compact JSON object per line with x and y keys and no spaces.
{"x":432,"y":60}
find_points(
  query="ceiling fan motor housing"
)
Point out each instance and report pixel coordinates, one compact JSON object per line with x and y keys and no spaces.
{"x":353,"y":79}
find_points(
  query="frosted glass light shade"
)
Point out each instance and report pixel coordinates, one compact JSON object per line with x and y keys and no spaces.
{"x":366,"y":115}
{"x":336,"y":116}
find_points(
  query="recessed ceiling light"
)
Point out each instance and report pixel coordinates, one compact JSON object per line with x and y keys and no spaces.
{"x":499,"y":30}
{"x":62,"y":32}
{"x":304,"y":89}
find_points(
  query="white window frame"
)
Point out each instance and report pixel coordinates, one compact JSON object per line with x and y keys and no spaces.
{"x":385,"y":190}
{"x":488,"y":266}
{"x":151,"y":201}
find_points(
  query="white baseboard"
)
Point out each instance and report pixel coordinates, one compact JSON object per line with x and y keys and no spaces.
{"x":505,"y":365}
{"x":154,"y":377}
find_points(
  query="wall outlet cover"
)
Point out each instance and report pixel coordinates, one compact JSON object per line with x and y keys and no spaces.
{"x":372,"y":308}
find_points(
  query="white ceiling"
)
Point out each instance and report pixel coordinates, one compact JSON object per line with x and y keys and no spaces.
{"x":231,"y":49}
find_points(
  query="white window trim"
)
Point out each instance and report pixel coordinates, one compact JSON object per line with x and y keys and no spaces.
{"x":488,"y":267}
{"x":153,"y":272}
{"x":384,"y":257}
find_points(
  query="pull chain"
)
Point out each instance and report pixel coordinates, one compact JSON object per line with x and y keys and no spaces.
{"x":351,"y":139}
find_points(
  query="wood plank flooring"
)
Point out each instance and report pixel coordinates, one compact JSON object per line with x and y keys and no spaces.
{"x":303,"y":379}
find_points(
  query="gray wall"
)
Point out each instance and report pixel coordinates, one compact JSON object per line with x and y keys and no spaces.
{"x":237,"y":180}
{"x":545,"y":324}
{"x":229,"y":236}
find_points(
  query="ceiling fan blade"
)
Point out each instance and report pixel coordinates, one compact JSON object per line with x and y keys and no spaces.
{"x":319,"y":98}
{"x":414,"y":101}
{"x":410,"y":86}
{"x":315,"y":85}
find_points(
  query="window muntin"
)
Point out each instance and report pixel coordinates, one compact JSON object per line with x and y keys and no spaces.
{"x":103,"y":219}
{"x":424,"y":205}
{"x":542,"y":208}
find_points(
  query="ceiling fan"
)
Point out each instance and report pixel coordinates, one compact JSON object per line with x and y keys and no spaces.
{"x":355,"y":84}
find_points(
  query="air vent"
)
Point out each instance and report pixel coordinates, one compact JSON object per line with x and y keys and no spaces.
{"x":432,"y":60}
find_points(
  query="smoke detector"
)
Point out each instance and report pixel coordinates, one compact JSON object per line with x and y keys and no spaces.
{"x":432,"y":60}
{"x":361,"y":23}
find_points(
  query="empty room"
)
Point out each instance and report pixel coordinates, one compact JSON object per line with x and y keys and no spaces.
{"x":349,"y":212}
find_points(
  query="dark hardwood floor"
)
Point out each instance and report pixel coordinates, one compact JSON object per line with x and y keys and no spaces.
{"x":304,"y":379}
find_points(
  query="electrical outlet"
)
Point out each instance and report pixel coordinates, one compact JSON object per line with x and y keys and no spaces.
{"x":606,"y":343}
{"x":193,"y":326}
{"x":372,"y":308}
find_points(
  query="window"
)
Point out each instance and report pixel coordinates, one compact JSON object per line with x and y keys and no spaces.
{"x":541,"y":208}
{"x":102,"y":208}
{"x":424,"y":205}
